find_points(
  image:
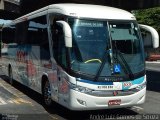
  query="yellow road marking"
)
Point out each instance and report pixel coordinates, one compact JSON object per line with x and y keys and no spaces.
{"x":23,"y":101}
{"x":17,"y":93}
{"x":10,"y":101}
{"x":54,"y":118}
{"x":15,"y":101}
{"x":20,"y":101}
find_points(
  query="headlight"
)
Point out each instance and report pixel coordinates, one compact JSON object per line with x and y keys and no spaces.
{"x":83,"y":89}
{"x":141,"y":86}
{"x":80,"y":88}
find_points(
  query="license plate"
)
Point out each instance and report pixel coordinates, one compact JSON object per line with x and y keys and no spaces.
{"x":114,"y":102}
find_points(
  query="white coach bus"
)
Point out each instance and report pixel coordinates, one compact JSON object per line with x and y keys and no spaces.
{"x":84,"y":57}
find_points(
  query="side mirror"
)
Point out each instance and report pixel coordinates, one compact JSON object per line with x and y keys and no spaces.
{"x":150,"y":36}
{"x":67,"y":32}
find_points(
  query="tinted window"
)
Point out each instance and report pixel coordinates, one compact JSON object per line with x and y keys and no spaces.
{"x":38,"y":36}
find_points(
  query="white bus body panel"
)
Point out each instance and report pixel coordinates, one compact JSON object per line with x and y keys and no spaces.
{"x":72,"y":98}
{"x":93,"y":103}
{"x":81,"y":11}
{"x":91,"y":11}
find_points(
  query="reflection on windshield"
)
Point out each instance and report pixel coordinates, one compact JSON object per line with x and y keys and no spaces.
{"x":126,"y":40}
{"x":91,"y":42}
{"x":90,"y":39}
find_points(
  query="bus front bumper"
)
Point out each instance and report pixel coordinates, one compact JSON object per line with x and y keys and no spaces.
{"x":82,"y":101}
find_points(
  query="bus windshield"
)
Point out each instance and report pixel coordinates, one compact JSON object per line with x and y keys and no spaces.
{"x":92,"y":40}
{"x":127,"y":45}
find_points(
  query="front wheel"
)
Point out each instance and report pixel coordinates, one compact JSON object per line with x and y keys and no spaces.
{"x":47,"y":94}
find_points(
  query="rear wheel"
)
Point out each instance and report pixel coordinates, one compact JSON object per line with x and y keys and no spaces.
{"x":47,"y":94}
{"x":10,"y":75}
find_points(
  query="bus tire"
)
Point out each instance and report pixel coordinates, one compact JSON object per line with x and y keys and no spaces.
{"x":47,"y":94}
{"x":10,"y":75}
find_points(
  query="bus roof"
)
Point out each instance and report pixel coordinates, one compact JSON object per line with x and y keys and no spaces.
{"x":81,"y":11}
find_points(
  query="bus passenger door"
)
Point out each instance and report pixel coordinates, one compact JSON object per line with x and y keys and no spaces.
{"x":59,"y":51}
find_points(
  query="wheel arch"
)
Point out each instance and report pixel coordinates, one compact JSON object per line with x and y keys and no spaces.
{"x":43,"y":80}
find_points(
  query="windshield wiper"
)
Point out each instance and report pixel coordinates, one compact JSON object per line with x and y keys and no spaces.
{"x":126,"y":66}
{"x":101,"y":66}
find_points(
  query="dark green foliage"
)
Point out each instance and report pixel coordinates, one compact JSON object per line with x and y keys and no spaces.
{"x":149,"y":17}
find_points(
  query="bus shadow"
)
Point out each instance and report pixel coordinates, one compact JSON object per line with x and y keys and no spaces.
{"x":65,"y":113}
{"x":153,"y":80}
{"x":92,"y":114}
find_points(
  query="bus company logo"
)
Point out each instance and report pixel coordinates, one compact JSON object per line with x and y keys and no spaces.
{"x":114,"y":102}
{"x":21,"y":55}
{"x":127,"y":84}
{"x":115,"y":93}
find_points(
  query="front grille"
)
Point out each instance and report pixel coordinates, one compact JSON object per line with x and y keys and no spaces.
{"x":110,"y":93}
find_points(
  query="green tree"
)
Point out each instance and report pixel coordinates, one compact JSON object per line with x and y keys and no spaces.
{"x":149,"y":16}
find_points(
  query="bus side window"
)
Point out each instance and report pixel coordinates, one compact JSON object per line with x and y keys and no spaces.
{"x":38,"y":36}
